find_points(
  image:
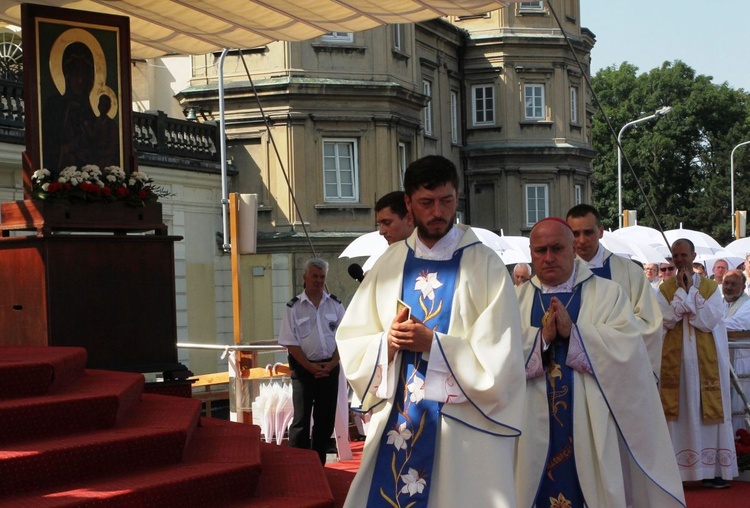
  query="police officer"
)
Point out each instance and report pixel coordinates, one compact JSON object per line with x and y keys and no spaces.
{"x":308,"y":332}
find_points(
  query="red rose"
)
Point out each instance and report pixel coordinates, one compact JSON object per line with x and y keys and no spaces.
{"x":54,"y":187}
{"x":106,"y":191}
{"x":143,"y":193}
{"x":122,"y":191}
{"x":67,"y":186}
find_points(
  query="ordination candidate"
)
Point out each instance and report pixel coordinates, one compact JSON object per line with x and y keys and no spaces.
{"x":445,"y":378}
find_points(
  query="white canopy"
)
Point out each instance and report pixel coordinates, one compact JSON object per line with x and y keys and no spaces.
{"x":163,"y":27}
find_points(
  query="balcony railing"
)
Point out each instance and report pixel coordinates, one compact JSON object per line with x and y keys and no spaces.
{"x":154,"y":132}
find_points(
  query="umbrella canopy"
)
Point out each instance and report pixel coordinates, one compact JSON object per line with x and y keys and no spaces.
{"x":643,"y":236}
{"x":164,"y":27}
{"x":704,"y":244}
{"x":739,"y":247}
{"x":639,"y":251}
{"x":369,"y":244}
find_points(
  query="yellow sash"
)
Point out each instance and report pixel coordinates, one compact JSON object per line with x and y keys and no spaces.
{"x":708,"y":363}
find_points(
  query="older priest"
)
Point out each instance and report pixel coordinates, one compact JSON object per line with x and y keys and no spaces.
{"x":595,"y":434}
{"x":446,"y":385}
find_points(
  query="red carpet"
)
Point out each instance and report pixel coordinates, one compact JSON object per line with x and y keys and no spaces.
{"x":79,"y":437}
{"x":738,"y":496}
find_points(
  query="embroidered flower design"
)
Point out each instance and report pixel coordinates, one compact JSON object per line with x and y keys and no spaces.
{"x":416,"y":389}
{"x":398,"y":438}
{"x":413,"y":484}
{"x":427,"y":283}
{"x":560,"y":502}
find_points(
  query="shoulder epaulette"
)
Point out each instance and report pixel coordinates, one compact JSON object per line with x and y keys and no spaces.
{"x":291,"y":302}
{"x":335,"y":298}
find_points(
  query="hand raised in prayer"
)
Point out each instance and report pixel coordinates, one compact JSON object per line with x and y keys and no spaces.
{"x":557,"y":322}
{"x":684,"y":279}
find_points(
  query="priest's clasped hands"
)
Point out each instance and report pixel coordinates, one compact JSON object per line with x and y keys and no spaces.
{"x":556,"y":322}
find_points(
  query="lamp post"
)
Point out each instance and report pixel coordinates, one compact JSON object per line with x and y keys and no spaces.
{"x":659,"y":112}
{"x":731,"y":180}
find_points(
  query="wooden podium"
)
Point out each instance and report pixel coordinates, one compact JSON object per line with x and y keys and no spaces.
{"x":105,"y":289}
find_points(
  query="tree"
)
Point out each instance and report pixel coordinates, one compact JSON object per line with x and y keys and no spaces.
{"x":682,"y":159}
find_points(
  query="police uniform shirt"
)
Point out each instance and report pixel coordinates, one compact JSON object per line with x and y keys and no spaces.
{"x":312,"y":329}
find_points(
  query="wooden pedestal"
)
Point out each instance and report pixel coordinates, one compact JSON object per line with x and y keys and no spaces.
{"x":112,"y":294}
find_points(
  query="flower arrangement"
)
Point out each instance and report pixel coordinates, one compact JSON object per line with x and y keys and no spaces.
{"x":91,"y":184}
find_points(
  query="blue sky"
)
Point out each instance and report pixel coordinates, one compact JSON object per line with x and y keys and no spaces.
{"x":711,"y":36}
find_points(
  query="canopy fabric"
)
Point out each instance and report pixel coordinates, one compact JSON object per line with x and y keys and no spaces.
{"x":194,"y":27}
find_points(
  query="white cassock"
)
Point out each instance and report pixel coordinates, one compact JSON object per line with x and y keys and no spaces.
{"x":702,"y":451}
{"x":477,"y":434}
{"x":642,"y":297}
{"x":622,"y":450}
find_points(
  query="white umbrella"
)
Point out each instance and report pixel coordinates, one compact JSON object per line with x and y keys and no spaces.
{"x":704,"y":244}
{"x":631,"y":250}
{"x":510,"y":251}
{"x":643,"y":236}
{"x":369,"y":244}
{"x":739,"y":247}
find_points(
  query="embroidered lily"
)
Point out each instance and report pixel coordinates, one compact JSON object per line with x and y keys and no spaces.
{"x":427,"y":283}
{"x":413,"y":484}
{"x":560,"y":502}
{"x":398,"y":438}
{"x":416,"y":390}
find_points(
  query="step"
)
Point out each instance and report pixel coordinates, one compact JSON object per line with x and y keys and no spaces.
{"x":35,"y":370}
{"x":154,"y":434}
{"x":220,"y":466}
{"x":96,"y":400}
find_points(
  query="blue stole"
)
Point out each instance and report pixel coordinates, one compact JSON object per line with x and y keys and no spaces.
{"x":559,"y":483}
{"x":604,"y":271}
{"x":403,"y":468}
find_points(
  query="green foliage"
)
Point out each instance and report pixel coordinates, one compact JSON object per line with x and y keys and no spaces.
{"x":682,"y":159}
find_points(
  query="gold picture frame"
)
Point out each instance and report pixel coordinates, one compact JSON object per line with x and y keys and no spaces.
{"x":77,"y":89}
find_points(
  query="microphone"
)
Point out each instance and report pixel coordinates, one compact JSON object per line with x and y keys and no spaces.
{"x":355,"y":271}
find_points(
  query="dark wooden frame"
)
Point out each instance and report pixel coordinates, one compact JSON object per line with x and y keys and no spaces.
{"x":41,"y":26}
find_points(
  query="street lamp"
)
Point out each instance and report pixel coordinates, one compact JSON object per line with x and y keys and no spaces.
{"x":731,"y":179}
{"x":659,"y":112}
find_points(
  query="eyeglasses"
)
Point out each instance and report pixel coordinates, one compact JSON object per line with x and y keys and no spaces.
{"x":667,"y":268}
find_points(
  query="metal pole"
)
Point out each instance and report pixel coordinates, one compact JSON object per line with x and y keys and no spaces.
{"x":731,"y":180}
{"x":659,"y":112}
{"x":223,"y":154}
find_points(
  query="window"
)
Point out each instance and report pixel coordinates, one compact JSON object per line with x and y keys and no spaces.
{"x":531,"y":6}
{"x":402,"y":162}
{"x":536,"y":203}
{"x":398,"y":35}
{"x":454,"y":117}
{"x":483,"y":105}
{"x":574,"y":105}
{"x":578,"y":197}
{"x":340,"y":170}
{"x":534,"y":101}
{"x":338,"y":37}
{"x":427,"y":89}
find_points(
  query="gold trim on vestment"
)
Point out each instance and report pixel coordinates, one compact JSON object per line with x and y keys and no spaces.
{"x":708,"y":363}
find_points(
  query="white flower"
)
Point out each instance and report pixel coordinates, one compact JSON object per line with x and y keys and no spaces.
{"x":40,"y":174}
{"x":427,"y":283}
{"x":111,"y":178}
{"x":413,"y":484}
{"x":416,"y":389}
{"x":398,"y":438}
{"x":45,"y":187}
{"x":74,"y":181}
{"x":62,"y":179}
